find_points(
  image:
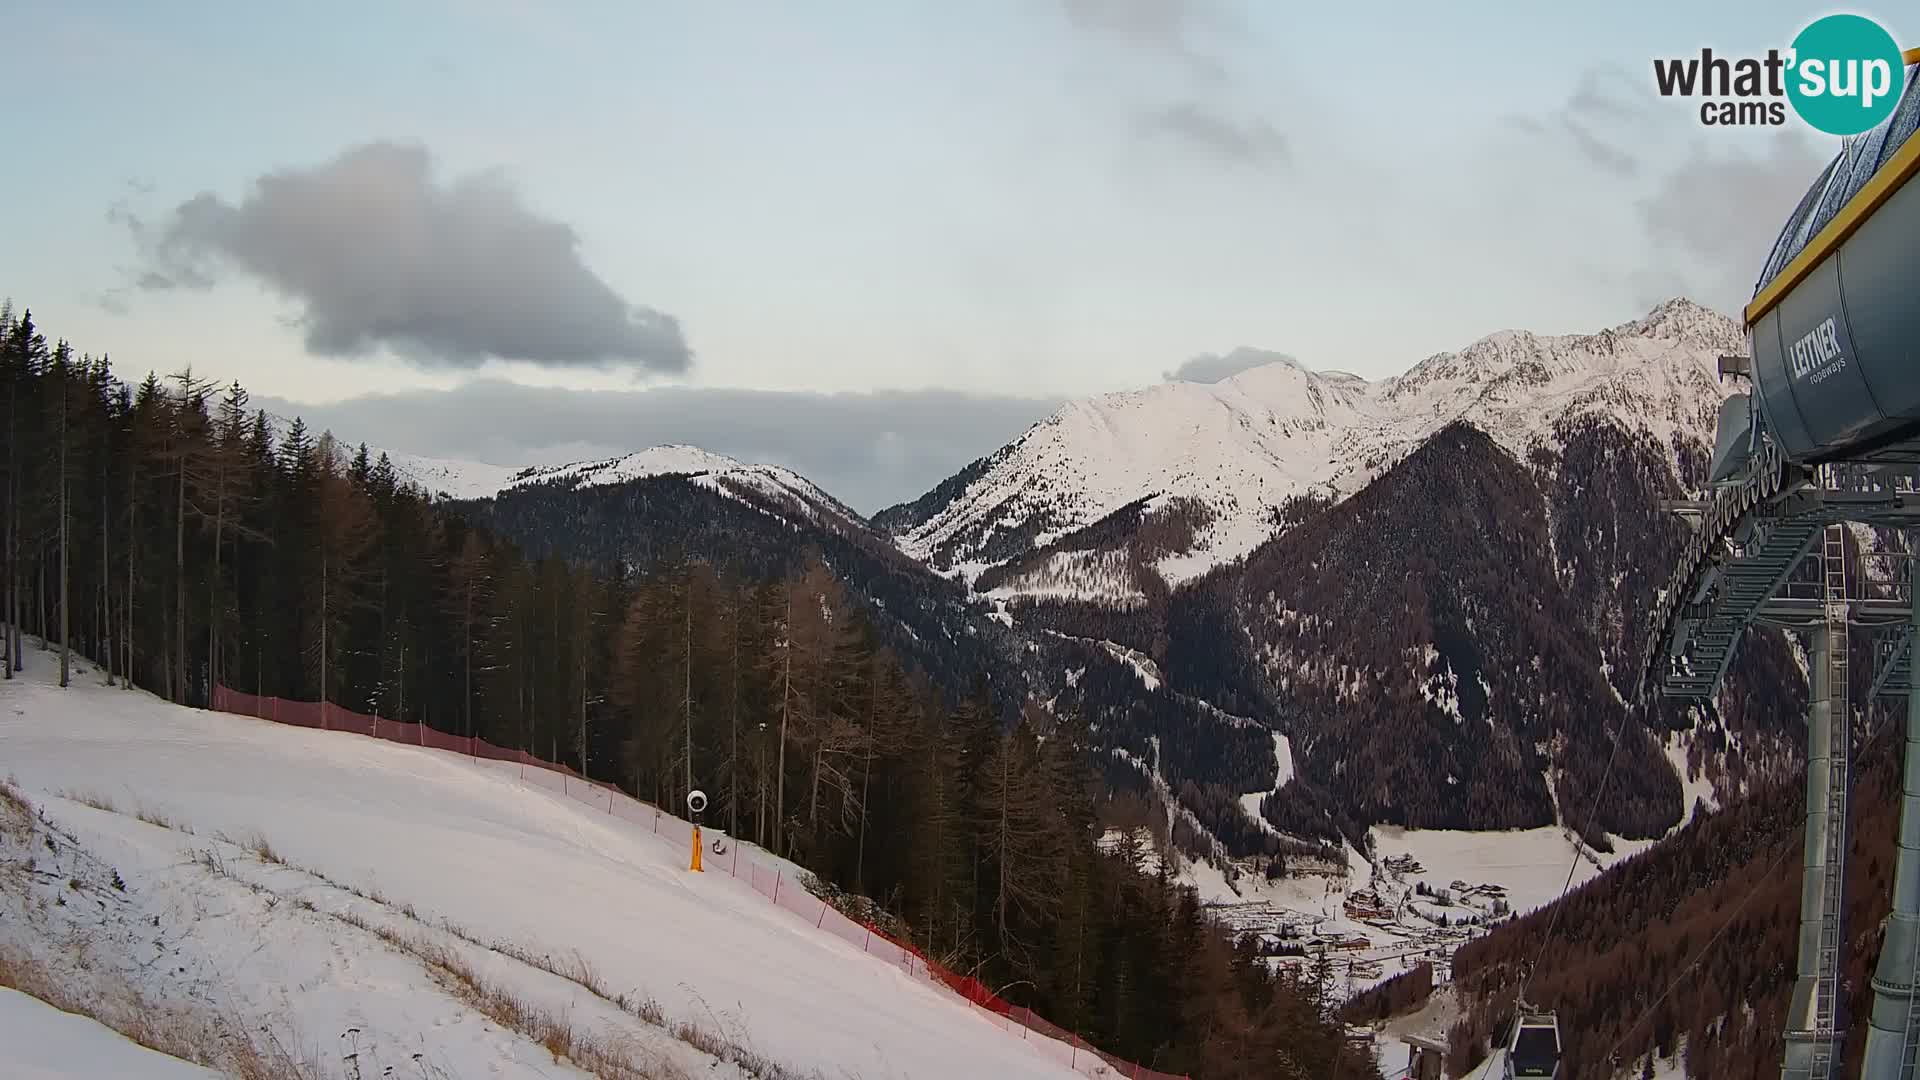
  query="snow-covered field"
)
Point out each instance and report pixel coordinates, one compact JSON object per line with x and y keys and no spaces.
{"x":1391,"y":927}
{"x":1530,"y":864}
{"x":411,"y":845}
{"x":39,"y":1042}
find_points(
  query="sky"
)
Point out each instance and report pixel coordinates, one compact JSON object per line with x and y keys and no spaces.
{"x":869,"y":240}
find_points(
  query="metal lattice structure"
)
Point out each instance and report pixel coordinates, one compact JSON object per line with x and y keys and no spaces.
{"x":1828,"y":439}
{"x":1774,"y":548}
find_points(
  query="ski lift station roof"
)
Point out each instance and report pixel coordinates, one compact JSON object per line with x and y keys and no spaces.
{"x":1834,"y":318}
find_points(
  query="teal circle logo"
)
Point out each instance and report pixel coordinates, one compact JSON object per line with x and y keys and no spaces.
{"x":1846,"y":75}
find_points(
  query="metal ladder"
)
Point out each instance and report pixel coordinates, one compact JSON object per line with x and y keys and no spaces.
{"x":1910,"y":1038}
{"x":1833,"y":568}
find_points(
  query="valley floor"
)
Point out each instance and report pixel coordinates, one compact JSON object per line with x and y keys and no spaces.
{"x":378,"y":910}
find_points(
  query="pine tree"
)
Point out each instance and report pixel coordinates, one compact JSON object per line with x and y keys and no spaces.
{"x":229,"y":474}
{"x":25,"y":354}
{"x":60,"y":374}
{"x":190,"y":455}
{"x":1021,"y":844}
{"x":467,"y":599}
{"x":345,"y":533}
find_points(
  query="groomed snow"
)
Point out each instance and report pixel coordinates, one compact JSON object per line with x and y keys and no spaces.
{"x":1283,"y":765}
{"x":39,"y":1042}
{"x":468,"y":843}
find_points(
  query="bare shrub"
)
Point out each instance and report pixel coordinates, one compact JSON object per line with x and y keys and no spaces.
{"x":263,"y":851}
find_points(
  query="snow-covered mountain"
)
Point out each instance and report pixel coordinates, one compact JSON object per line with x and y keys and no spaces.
{"x":448,"y":478}
{"x":1226,"y":456}
{"x":454,"y":479}
{"x":1522,"y":464}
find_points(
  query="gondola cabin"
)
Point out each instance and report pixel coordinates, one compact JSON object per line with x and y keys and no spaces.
{"x":1535,"y":1048}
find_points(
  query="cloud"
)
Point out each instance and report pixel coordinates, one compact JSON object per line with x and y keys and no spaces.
{"x":1698,"y":208}
{"x":379,"y":253}
{"x":1251,"y":142}
{"x":1165,"y":26}
{"x":1212,"y":367}
{"x":1720,"y":209}
{"x":1605,"y":115}
{"x":1598,"y":151}
{"x":870,"y":450}
{"x":1170,"y":29}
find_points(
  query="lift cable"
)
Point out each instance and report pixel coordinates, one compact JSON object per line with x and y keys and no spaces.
{"x":1553,"y":924}
{"x":1784,"y":838}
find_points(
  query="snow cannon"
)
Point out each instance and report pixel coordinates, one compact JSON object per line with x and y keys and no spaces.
{"x":1833,"y":324}
{"x":696,"y":805}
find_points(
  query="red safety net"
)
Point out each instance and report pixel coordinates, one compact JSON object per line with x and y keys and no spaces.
{"x":772,"y":882}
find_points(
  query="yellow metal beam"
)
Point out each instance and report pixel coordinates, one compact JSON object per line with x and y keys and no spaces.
{"x":1890,"y":179}
{"x":1911,"y":56}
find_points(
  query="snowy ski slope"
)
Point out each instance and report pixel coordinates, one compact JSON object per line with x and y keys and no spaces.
{"x":39,"y":1042}
{"x":428,"y":836}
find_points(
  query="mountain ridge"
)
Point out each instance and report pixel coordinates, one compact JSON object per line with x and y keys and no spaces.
{"x":1285,"y":431}
{"x":1169,"y":543}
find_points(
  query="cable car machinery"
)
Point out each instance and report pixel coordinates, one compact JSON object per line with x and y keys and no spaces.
{"x":1825,"y":443}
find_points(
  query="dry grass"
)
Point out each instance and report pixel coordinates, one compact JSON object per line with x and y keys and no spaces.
{"x":263,"y":851}
{"x":600,"y":1056}
{"x":16,"y":813}
{"x":203,"y":1037}
{"x":160,"y":819}
{"x":578,"y":970}
{"x":213,"y":862}
{"x":606,"y":1058}
{"x":98,"y":802}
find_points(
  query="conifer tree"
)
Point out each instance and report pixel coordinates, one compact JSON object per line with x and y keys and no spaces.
{"x":306,"y":572}
{"x":346,"y":530}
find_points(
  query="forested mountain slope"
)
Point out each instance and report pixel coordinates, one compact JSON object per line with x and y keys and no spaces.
{"x":1434,"y":579}
{"x":1690,"y":946}
{"x":171,"y":536}
{"x":1439,"y":580}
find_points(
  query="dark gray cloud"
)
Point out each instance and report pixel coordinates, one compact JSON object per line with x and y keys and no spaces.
{"x":1157,"y":22}
{"x":1708,"y":203}
{"x":1713,"y":218}
{"x":1165,"y":26}
{"x":1604,"y":118}
{"x":1599,"y":151}
{"x":1212,"y":367}
{"x":870,"y":450}
{"x":1173,"y":29}
{"x":380,"y":253}
{"x":1245,"y":142}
